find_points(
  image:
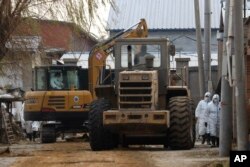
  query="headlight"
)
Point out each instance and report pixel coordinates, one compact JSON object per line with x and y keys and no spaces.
{"x":125,"y":77}
{"x":145,"y":77}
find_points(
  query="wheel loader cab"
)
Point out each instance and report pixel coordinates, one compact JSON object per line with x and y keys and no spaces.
{"x":157,"y":49}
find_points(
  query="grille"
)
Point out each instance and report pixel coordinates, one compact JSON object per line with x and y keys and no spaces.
{"x":57,"y":101}
{"x":135,"y":95}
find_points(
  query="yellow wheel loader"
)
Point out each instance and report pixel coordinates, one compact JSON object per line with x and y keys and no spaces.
{"x":141,"y":101}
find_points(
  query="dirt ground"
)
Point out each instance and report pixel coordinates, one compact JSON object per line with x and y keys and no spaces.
{"x":78,"y":153}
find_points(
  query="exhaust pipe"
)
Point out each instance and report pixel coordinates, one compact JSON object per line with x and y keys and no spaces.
{"x":129,"y":57}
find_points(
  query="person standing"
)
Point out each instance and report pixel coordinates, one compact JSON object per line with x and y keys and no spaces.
{"x":202,"y":118}
{"x":28,"y":128}
{"x":213,"y":111}
{"x":35,"y":129}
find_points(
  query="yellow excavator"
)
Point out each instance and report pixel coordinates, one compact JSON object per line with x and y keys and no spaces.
{"x":59,"y":99}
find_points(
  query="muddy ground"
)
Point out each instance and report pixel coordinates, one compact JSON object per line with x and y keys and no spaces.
{"x":78,"y":153}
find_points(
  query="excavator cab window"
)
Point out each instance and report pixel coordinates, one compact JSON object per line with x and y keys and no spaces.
{"x":59,"y":78}
{"x":72,"y":79}
{"x":64,"y":79}
{"x":56,"y":79}
{"x":41,"y":82}
{"x":139,"y":52}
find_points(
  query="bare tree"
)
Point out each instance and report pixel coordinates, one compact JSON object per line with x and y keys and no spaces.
{"x":14,"y":12}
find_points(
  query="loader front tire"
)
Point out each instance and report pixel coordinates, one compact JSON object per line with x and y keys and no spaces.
{"x":100,"y":137}
{"x":182,"y":125}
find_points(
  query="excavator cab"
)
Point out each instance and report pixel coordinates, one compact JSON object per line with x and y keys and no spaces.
{"x":60,"y":78}
{"x":59,"y":99}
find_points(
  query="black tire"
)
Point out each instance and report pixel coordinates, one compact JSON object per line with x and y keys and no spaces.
{"x":193,"y":122}
{"x":48,"y":134}
{"x":100,"y":137}
{"x":181,"y":134}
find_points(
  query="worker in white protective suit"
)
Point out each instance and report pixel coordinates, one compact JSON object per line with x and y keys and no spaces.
{"x":213,"y":111}
{"x":202,"y":118}
{"x":28,"y":128}
{"x":35,"y":130}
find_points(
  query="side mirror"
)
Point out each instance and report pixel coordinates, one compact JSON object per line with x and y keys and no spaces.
{"x":172,"y":49}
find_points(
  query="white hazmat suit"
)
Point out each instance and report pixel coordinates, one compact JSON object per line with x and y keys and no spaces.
{"x":213,"y":111}
{"x":201,"y":114}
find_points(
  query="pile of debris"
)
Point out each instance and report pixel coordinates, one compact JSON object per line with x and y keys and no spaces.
{"x":11,"y":116}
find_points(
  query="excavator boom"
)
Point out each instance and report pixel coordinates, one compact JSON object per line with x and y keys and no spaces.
{"x":100,"y":52}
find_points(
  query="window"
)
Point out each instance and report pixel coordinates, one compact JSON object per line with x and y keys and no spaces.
{"x":56,"y":79}
{"x":139,"y":52}
{"x":72,"y":79}
{"x":64,"y":79}
{"x":41,"y":79}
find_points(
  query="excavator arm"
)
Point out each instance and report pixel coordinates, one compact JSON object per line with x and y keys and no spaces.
{"x":100,"y":52}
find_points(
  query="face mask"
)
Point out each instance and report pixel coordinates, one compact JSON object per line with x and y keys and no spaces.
{"x":206,"y":99}
{"x":216,"y":101}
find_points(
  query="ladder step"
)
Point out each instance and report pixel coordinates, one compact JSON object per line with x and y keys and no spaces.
{"x":8,"y":128}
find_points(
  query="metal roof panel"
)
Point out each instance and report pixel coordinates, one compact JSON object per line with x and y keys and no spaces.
{"x":161,"y":14}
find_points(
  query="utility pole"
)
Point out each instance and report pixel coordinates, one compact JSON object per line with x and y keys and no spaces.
{"x":226,"y":97}
{"x":207,"y":38}
{"x":199,"y":47}
{"x":220,"y":45}
{"x":241,"y":118}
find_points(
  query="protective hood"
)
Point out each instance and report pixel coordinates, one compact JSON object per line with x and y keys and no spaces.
{"x":216,"y":98}
{"x":207,"y":96}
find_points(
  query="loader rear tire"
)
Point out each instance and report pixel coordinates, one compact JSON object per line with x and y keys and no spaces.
{"x":100,"y":137}
{"x":182,"y":125}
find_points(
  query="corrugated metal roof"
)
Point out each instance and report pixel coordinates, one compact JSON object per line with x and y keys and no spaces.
{"x":160,"y":14}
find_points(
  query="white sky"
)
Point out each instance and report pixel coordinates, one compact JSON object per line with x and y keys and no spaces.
{"x":95,"y":26}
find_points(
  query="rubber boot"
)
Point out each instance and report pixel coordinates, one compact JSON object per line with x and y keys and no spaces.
{"x":213,"y":141}
{"x":203,"y":139}
{"x":208,"y":139}
{"x":217,"y":142}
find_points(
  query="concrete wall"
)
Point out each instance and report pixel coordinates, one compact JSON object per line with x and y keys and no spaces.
{"x":18,"y":69}
{"x":194,"y":82}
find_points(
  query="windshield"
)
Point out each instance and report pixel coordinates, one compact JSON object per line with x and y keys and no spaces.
{"x":139,"y":52}
{"x":57,"y":79}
